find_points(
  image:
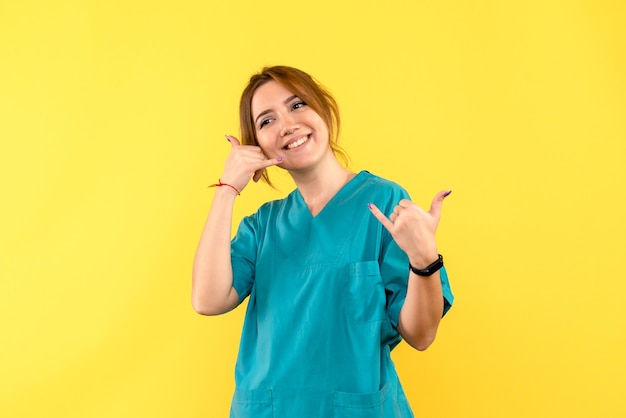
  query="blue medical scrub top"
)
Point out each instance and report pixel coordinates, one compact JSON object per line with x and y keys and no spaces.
{"x":325,"y":295}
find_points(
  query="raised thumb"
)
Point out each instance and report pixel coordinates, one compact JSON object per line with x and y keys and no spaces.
{"x":435,"y":207}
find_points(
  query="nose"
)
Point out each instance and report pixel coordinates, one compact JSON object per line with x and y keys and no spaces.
{"x":289,"y":125}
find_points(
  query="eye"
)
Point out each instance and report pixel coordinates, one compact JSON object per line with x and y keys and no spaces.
{"x":264,"y":122}
{"x":298,"y":105}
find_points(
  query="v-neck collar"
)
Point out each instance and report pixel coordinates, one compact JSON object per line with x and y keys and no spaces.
{"x":343,"y":190}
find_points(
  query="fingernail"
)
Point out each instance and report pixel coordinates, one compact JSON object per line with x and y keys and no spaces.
{"x":446,"y":194}
{"x":369,"y":205}
{"x":279,"y":159}
{"x":227,"y":138}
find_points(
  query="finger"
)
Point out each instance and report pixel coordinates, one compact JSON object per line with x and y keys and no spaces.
{"x":257,"y":175}
{"x":232,"y":140}
{"x":380,"y":216}
{"x":266,"y":163}
{"x":435,"y":207}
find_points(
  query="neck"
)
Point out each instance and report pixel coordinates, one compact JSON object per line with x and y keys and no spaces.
{"x":319,"y":184}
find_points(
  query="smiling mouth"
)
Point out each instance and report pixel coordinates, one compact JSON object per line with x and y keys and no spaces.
{"x":297,"y":143}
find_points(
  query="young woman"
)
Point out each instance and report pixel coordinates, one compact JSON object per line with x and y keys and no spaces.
{"x":333,"y":283}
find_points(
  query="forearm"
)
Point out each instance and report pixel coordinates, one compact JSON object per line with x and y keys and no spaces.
{"x":422,"y":310}
{"x":212,"y":277}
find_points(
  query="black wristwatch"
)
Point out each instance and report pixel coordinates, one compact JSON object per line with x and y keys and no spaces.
{"x":428,"y":271}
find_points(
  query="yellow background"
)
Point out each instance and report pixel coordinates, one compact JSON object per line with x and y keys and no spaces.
{"x":112,"y":123}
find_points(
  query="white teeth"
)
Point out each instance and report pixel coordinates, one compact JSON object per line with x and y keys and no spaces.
{"x":298,"y":142}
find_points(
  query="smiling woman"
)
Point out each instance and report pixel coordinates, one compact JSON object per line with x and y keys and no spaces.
{"x":287,"y":127}
{"x":306,"y":89}
{"x":321,"y":321}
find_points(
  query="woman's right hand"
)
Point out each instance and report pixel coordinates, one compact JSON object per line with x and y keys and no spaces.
{"x":245,"y":162}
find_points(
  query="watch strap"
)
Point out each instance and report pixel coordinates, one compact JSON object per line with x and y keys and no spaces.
{"x":429,"y":270}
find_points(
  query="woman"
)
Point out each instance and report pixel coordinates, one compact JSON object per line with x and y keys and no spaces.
{"x":328,"y":274}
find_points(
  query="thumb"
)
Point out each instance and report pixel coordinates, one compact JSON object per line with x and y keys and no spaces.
{"x":435,"y":207}
{"x":233,"y":141}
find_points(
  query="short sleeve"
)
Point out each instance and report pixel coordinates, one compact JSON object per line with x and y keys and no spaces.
{"x":395,"y":274}
{"x":448,"y":297}
{"x":243,"y":257}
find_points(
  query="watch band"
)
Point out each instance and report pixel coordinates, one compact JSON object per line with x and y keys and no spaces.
{"x":428,"y":271}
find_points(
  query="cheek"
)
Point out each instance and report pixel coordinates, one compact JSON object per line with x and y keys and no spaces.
{"x":322,"y":127}
{"x":262,"y":136}
{"x":264,"y":143}
{"x":326,"y":131}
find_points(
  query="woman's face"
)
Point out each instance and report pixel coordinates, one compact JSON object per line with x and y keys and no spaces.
{"x":287,"y":127}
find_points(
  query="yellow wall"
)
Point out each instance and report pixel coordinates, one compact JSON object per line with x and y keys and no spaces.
{"x":112,"y":123}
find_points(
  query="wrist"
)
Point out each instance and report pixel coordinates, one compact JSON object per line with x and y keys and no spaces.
{"x":221,"y":185}
{"x":428,"y":270}
{"x":226,"y":192}
{"x":423,"y":260}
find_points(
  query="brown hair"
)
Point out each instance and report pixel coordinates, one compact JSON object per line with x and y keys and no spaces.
{"x":307,"y":89}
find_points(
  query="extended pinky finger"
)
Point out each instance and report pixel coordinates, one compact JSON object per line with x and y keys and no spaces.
{"x":380,"y":216}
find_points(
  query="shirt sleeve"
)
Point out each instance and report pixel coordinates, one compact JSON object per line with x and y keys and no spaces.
{"x":448,"y":297}
{"x":243,"y":257}
{"x":394,"y":270}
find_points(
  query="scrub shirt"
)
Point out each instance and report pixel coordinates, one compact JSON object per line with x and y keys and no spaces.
{"x":325,"y":293}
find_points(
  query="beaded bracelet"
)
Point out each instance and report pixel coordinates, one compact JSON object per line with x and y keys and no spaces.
{"x":219,"y":184}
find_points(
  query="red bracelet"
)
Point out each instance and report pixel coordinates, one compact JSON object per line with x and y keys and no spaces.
{"x":219,"y":184}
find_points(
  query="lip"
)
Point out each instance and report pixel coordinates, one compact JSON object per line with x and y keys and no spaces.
{"x":295,"y":139}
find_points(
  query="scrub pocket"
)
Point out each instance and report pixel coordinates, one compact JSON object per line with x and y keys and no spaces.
{"x":361,"y":405}
{"x":252,"y":404}
{"x":365,"y":292}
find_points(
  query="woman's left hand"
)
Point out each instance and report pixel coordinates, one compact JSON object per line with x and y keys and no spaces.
{"x":414,"y":229}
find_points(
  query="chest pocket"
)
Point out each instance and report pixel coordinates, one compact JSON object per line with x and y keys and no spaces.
{"x":365,"y":292}
{"x":252,"y":404}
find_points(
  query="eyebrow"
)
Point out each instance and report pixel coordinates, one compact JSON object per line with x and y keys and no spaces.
{"x":265,"y":112}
